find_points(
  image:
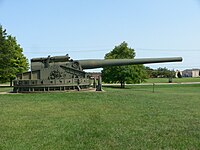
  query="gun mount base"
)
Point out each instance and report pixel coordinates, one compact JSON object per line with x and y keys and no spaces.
{"x":77,"y":84}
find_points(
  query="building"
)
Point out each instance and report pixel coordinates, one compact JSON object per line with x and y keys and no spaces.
{"x":95,"y":75}
{"x":190,"y":73}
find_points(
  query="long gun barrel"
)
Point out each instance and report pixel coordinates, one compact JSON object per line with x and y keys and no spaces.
{"x":45,"y":62}
{"x":97,"y":63}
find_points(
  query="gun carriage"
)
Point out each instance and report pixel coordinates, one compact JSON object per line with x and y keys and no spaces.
{"x":60,"y":73}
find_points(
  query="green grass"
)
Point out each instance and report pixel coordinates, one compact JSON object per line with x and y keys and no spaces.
{"x":6,"y":89}
{"x":132,"y":118}
{"x":174,"y":80}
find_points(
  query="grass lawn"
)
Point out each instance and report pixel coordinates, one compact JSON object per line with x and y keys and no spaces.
{"x":132,"y":118}
{"x":6,"y":89}
{"x":174,"y":80}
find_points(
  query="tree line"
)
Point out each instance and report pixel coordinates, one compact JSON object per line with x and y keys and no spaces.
{"x":160,"y":73}
{"x":12,"y":60}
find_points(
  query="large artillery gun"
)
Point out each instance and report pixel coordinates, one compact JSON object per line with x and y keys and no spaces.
{"x":60,"y":73}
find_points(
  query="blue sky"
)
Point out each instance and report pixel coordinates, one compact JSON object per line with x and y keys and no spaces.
{"x":87,"y":29}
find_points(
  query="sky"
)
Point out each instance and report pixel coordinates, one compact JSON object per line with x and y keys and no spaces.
{"x":88,"y":29}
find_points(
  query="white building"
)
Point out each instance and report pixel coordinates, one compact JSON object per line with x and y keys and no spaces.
{"x":190,"y":73}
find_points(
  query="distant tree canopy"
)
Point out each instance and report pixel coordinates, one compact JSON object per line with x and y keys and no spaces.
{"x":122,"y":74}
{"x":160,"y":73}
{"x":12,"y":60}
{"x":179,"y":74}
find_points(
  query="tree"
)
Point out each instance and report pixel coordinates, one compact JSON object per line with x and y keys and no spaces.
{"x":12,"y":60}
{"x":122,"y":74}
{"x":160,"y":73}
{"x":179,"y":74}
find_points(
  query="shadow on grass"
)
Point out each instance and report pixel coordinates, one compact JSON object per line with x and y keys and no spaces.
{"x":148,"y":88}
{"x":115,"y":87}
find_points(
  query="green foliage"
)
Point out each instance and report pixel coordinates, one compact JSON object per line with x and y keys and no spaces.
{"x":12,"y":61}
{"x":175,"y":80}
{"x":179,"y":74}
{"x":160,"y":72}
{"x":122,"y":74}
{"x":133,"y":118}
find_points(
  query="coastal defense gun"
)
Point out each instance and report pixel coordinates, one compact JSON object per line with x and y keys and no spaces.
{"x":60,"y":73}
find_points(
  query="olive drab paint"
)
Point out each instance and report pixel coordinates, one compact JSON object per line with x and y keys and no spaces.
{"x":60,"y":73}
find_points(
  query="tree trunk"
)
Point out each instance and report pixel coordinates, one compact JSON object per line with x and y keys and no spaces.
{"x":10,"y":82}
{"x":122,"y":84}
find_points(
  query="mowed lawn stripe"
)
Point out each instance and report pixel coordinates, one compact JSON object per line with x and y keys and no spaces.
{"x":131,"y":118}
